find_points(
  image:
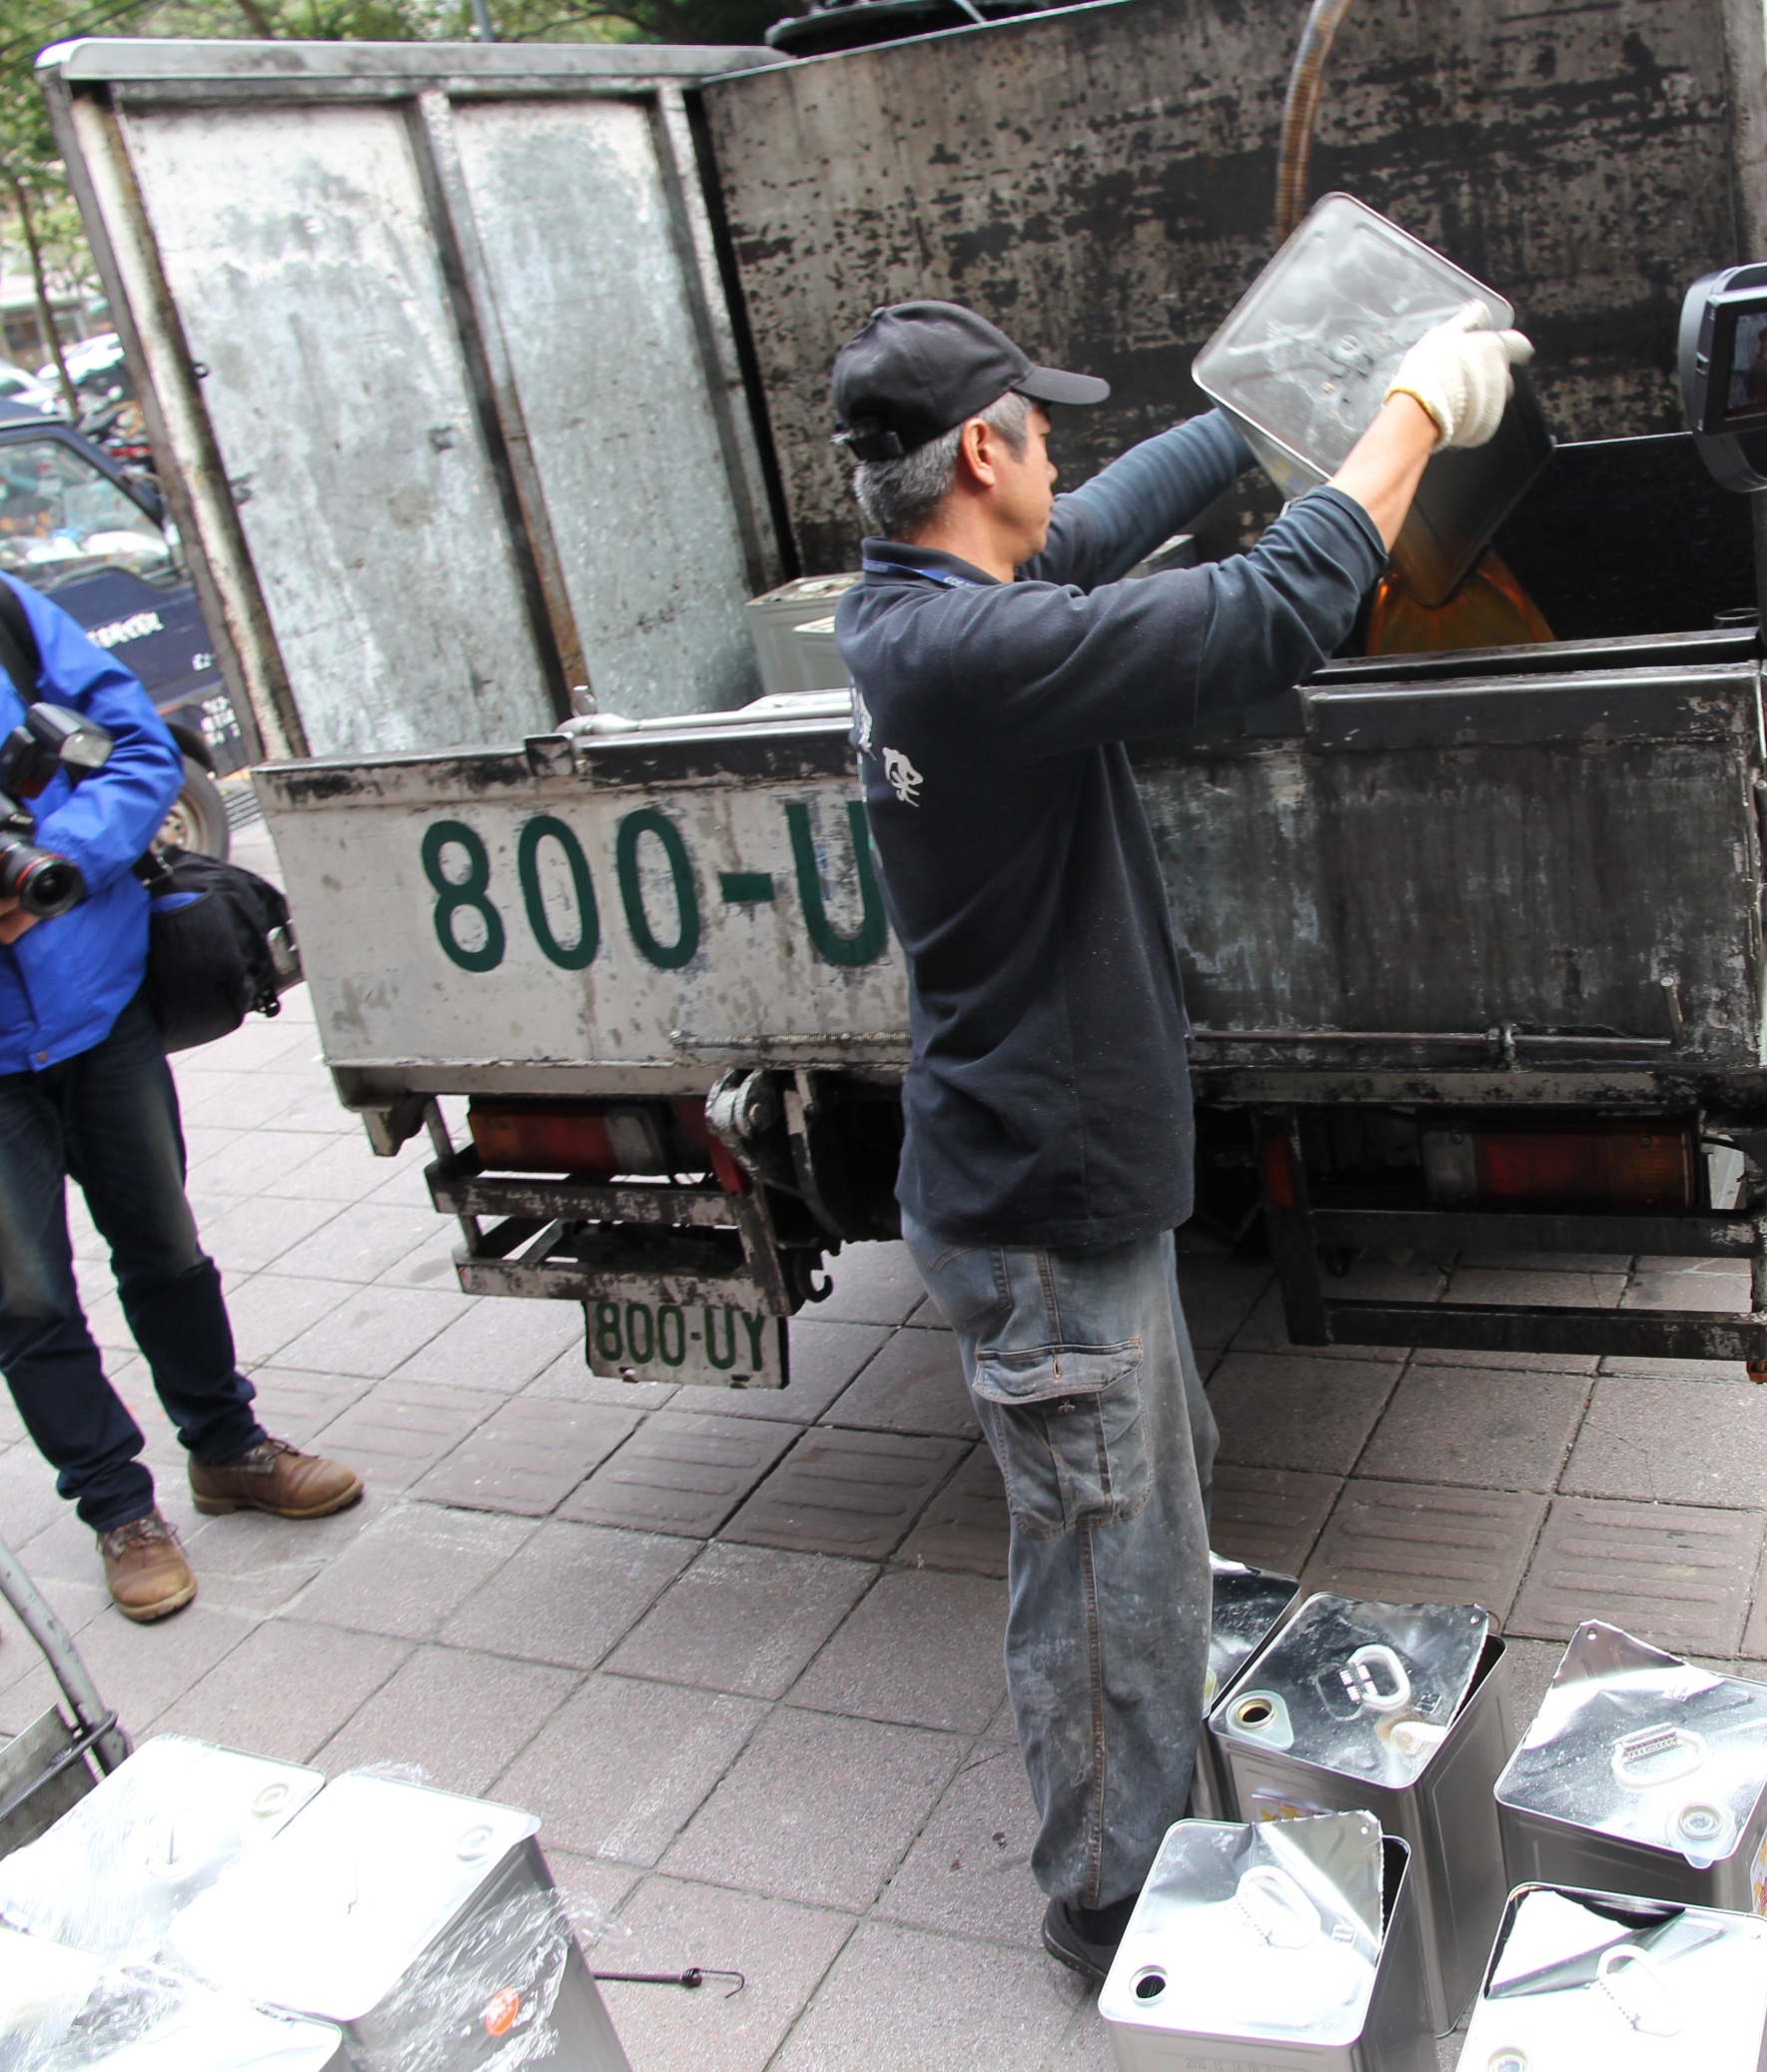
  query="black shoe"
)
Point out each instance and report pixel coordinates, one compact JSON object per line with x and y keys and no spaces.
{"x":1084,"y":1939}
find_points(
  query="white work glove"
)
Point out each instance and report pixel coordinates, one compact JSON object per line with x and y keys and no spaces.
{"x":1459,"y":373}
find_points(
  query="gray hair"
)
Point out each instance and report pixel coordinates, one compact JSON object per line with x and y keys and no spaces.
{"x":898,"y":497}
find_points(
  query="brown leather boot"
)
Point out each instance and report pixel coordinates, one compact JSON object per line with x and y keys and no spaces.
{"x":274,"y":1476}
{"x":146,"y":1569}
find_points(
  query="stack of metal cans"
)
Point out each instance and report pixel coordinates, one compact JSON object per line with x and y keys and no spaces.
{"x":205,"y":1911}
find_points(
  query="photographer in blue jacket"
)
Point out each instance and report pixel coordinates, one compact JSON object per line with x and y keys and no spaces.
{"x":86,"y":1095}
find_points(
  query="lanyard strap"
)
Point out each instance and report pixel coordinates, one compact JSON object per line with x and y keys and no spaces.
{"x":939,"y":575}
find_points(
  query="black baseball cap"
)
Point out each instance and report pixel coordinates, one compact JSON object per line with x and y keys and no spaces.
{"x":919,"y":369}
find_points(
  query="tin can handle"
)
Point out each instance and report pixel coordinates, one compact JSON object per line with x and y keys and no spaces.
{"x":1657,"y":1755}
{"x":1277,"y":1908}
{"x":1655,"y":2015}
{"x":1360,"y":1676}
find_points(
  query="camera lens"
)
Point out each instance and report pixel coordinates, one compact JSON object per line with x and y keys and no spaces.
{"x":48,"y":885}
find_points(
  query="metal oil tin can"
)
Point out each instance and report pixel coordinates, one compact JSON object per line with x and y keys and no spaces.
{"x":112,"y":1873}
{"x":1249,"y":1604}
{"x":1641,"y":1773}
{"x":1402,"y":1709}
{"x":425,"y":1925}
{"x":1594,"y":1979}
{"x":1273,"y":1947}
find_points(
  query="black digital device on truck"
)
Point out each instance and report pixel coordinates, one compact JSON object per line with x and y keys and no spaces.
{"x":1723,"y":363}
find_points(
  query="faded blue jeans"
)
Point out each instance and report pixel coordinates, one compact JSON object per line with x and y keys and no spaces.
{"x":1080,"y":1368}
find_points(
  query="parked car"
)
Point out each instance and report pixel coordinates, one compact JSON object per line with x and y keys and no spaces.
{"x":76,"y":525}
{"x":18,"y":387}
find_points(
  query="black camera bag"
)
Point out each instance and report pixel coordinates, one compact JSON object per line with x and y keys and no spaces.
{"x":219,"y":940}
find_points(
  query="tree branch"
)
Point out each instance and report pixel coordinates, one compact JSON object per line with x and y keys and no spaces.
{"x":40,"y":281}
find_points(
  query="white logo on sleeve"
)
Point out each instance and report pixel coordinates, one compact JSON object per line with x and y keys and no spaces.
{"x":862,"y":721}
{"x":900,"y":773}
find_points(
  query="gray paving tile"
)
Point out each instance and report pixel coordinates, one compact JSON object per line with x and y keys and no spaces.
{"x":234,"y":1162}
{"x":284,"y":1689}
{"x":28,"y":1498}
{"x":681,"y":1472}
{"x":1269,"y":1517}
{"x":1405,"y":1543}
{"x":336,"y":1169}
{"x":253,"y":1563}
{"x":1754,"y":1637}
{"x":1724,"y":1371}
{"x":824,"y":1359}
{"x":430,"y":1264}
{"x":357,"y":1243}
{"x":915,"y":1383}
{"x":1532,"y":1664}
{"x":461,"y":1717}
{"x":1539,"y":1288}
{"x":924,"y":1647}
{"x":296,"y":1405}
{"x":1478,"y":1427}
{"x":900,"y":2001}
{"x":873,"y":1284}
{"x":1645,"y":1440}
{"x":1516,"y":1363}
{"x":592,"y":1894}
{"x":818,"y":1808}
{"x":271,"y":1310}
{"x":397,"y":1431}
{"x":138,"y":1670}
{"x":499,"y":1343}
{"x":742,"y":1618}
{"x":408,"y":1570}
{"x":526,"y":1457}
{"x":569,"y":1593}
{"x":568,"y":1380}
{"x":1289,"y":1409}
{"x":372,"y":1331}
{"x":783,"y":1951}
{"x":1218,"y":1295}
{"x":622,"y":1764}
{"x":1383,"y":1279}
{"x":1673,"y":1575}
{"x":969,"y":1871}
{"x":966,"y":1524}
{"x":1689,"y":1284}
{"x":1265,"y":1331}
{"x":846,"y":1493}
{"x":1087,"y":2046}
{"x":256,"y":1231}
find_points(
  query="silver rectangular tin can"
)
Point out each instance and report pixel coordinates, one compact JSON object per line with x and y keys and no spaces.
{"x":1290,"y":1946}
{"x":1424,"y":1766}
{"x":1582,"y":1979}
{"x":1250,"y":1605}
{"x":425,"y":1925}
{"x":1640,"y":1773}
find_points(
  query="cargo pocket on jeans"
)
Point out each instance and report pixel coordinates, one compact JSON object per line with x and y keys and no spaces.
{"x":1066,"y":1425}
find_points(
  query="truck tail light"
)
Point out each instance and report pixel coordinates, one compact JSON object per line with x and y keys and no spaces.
{"x":601,"y":1140}
{"x":1610,"y":1165}
{"x":597,"y":1142}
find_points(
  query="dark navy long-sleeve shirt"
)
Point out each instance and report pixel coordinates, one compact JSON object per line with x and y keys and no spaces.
{"x":1048,"y":1097}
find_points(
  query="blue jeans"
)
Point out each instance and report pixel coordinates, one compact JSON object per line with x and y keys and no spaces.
{"x":108,"y":1119}
{"x":1081,"y":1371}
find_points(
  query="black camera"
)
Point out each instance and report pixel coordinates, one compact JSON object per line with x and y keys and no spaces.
{"x":51,"y":739}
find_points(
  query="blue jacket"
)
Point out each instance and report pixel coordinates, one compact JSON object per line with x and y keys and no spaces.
{"x":64,"y":982}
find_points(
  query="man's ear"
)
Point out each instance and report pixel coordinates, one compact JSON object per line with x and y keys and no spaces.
{"x":977,"y":453}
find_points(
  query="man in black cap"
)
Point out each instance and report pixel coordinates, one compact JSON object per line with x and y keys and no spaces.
{"x":999,"y":666}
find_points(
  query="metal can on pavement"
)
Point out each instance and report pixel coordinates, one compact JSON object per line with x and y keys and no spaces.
{"x":1641,"y":1773}
{"x":1402,"y":1709}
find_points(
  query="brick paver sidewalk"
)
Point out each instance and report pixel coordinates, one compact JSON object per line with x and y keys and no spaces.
{"x":741,"y":1652}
